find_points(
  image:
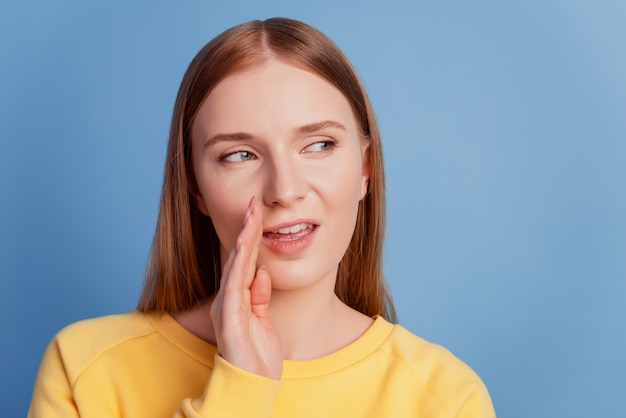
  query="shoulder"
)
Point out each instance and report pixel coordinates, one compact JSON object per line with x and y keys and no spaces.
{"x":439,"y":372}
{"x":425,"y":358}
{"x":81,"y":343}
{"x":99,"y":333}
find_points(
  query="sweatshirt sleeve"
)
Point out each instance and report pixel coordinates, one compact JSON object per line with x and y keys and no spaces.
{"x":477,"y":404}
{"x":232,"y":392}
{"x":52,"y":394}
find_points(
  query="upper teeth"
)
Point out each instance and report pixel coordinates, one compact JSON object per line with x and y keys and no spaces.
{"x":292,"y":229}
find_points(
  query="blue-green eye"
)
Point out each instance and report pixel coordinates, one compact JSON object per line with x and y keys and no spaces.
{"x":320,"y":146}
{"x":238,"y":157}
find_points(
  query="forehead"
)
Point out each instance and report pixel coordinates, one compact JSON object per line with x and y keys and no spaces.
{"x":273,"y":95}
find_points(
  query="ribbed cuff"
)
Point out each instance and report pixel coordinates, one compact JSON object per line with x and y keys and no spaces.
{"x":237,"y":393}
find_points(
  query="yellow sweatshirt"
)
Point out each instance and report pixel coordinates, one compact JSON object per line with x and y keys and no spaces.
{"x":135,"y":365}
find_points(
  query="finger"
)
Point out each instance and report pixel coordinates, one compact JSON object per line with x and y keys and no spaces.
{"x":256,"y":226}
{"x":228,"y":266}
{"x":235,"y":276}
{"x":261,"y":293}
{"x":248,"y":245}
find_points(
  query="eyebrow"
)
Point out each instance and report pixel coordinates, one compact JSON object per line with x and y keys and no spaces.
{"x":237,"y":136}
{"x":304,"y":129}
{"x":318,"y":126}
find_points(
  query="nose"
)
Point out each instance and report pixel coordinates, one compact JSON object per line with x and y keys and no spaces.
{"x":284,"y":184}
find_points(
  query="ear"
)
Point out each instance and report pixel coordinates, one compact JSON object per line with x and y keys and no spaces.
{"x":192,"y":189}
{"x":201,"y":204}
{"x":365,"y":173}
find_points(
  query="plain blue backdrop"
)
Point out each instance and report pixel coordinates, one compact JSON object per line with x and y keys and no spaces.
{"x":504,"y":129}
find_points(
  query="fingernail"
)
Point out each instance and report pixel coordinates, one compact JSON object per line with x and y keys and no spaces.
{"x":248,"y":210}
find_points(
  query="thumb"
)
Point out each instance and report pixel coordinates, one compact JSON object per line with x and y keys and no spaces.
{"x":260,"y":293}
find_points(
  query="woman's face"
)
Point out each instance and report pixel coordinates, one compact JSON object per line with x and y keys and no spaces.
{"x":289,"y":138}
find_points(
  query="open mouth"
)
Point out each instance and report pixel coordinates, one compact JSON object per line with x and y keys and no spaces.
{"x":290,"y":233}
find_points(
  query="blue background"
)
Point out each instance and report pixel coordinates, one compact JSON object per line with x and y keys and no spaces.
{"x":504,"y":129}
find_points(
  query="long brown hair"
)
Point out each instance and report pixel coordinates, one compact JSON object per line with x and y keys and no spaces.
{"x":184,"y":266}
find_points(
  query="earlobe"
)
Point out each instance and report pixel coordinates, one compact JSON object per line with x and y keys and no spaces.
{"x":201,"y":205}
{"x":364,"y":187}
{"x":365,"y":176}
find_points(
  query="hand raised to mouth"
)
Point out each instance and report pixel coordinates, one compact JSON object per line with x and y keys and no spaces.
{"x":240,"y":311}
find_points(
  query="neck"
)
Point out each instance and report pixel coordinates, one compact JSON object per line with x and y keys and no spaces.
{"x":311,"y":322}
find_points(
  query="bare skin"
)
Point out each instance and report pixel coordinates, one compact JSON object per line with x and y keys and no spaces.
{"x":241,"y":325}
{"x":284,"y":135}
{"x":240,"y":311}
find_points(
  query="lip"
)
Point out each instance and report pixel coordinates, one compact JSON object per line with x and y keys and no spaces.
{"x":289,"y":224}
{"x":294,"y":243}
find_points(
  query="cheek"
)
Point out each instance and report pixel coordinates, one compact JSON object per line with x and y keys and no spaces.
{"x":340,"y":189}
{"x":344,"y":181}
{"x":226,"y":205}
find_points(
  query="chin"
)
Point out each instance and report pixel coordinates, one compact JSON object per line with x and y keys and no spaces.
{"x":287,"y":276}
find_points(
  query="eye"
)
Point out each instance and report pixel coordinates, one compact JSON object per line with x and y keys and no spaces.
{"x":238,"y":156}
{"x":321,"y":146}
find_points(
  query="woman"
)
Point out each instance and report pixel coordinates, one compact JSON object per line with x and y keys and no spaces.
{"x":264,"y":294}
